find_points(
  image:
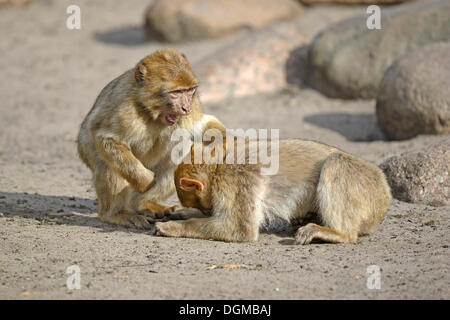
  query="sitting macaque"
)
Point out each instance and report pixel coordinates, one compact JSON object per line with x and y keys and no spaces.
{"x":126,"y":138}
{"x":348,"y":195}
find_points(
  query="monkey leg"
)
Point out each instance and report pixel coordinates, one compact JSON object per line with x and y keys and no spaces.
{"x":344,"y":192}
{"x":113,"y":193}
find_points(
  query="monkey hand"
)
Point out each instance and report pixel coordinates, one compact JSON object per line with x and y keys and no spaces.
{"x":168,"y":229}
{"x":143,"y":182}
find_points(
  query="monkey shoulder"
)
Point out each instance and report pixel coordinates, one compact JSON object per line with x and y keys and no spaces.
{"x":115,"y":95}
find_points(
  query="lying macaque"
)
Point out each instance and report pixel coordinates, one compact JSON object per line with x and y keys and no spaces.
{"x":348,"y":195}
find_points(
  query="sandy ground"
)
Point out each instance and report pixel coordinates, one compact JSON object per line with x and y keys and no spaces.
{"x":50,"y":77}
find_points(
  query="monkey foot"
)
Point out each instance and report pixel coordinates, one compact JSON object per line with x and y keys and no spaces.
{"x":130,"y":220}
{"x":313,"y":231}
{"x":306,"y":234}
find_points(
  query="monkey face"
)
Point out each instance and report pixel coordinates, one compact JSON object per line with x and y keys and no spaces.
{"x":166,"y":86}
{"x":179,"y":104}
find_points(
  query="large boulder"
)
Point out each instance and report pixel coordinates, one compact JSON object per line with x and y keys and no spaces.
{"x":421,"y":177}
{"x":180,"y":20}
{"x":414,"y":95}
{"x":348,"y":60}
{"x":264,"y":60}
{"x":252,"y":64}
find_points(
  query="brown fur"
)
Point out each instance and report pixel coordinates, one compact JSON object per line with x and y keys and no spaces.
{"x":348,"y":195}
{"x":125,"y":138}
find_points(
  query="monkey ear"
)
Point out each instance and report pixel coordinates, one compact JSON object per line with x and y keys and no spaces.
{"x":191,"y":184}
{"x":140,"y":73}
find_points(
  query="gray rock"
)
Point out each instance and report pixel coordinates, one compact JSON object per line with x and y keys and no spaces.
{"x":421,"y":177}
{"x":348,"y":60}
{"x":414,"y":95}
{"x":264,"y":60}
{"x":180,"y":20}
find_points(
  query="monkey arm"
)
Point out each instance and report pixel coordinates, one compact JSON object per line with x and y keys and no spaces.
{"x":222,"y":228}
{"x":120,"y":157}
{"x":216,"y":124}
{"x":186,"y":213}
{"x":162,"y":186}
{"x":212,"y":122}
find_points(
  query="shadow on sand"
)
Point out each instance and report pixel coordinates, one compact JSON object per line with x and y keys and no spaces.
{"x":354,"y":127}
{"x":128,"y":36}
{"x":56,"y":209}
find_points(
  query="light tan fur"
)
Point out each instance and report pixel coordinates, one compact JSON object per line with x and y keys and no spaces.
{"x":125,"y":138}
{"x":348,"y":195}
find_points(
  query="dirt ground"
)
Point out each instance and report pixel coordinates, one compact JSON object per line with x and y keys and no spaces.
{"x":50,"y":76}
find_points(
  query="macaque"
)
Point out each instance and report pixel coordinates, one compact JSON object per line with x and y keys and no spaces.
{"x":347,"y":195}
{"x":125,"y":138}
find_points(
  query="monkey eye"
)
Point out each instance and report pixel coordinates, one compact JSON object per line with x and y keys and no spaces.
{"x":174,"y":94}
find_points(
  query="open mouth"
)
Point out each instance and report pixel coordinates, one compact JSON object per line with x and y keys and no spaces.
{"x":171,"y":118}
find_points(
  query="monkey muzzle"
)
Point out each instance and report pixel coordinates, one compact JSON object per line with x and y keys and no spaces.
{"x":171,"y":119}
